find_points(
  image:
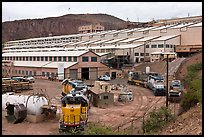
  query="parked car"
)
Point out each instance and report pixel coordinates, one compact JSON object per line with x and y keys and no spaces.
{"x":104,"y":78}
{"x":20,"y":79}
{"x":30,"y":79}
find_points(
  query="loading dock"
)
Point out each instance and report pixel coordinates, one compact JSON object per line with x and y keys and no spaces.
{"x":85,"y":73}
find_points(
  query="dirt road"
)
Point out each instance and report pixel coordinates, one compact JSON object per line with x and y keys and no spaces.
{"x":119,"y":115}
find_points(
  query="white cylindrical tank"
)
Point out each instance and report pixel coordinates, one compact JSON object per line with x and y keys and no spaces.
{"x":147,"y":69}
{"x":33,"y":103}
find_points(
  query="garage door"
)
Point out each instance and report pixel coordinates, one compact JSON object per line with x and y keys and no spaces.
{"x":93,"y":73}
{"x":73,"y":73}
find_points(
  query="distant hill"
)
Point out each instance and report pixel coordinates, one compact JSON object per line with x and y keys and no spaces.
{"x":63,"y":25}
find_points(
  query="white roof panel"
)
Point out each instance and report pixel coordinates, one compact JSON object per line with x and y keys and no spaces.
{"x":128,"y":46}
{"x":51,"y":53}
{"x":115,"y":40}
{"x":88,"y":42}
{"x":181,"y":25}
{"x":196,"y":25}
{"x":163,"y":38}
{"x":55,"y":64}
{"x":42,"y":64}
{"x":148,"y":38}
{"x":148,"y":28}
{"x":102,"y":41}
{"x":130,"y":39}
{"x":30,"y":63}
{"x":164,"y":27}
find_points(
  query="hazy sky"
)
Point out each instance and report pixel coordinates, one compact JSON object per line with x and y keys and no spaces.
{"x":134,"y":11}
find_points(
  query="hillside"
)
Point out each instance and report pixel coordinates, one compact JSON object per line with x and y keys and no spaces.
{"x":189,"y":123}
{"x":63,"y":25}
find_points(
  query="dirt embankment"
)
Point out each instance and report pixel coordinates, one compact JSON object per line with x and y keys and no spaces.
{"x":189,"y":123}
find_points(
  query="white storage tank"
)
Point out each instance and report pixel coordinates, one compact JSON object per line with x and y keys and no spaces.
{"x":147,"y":69}
{"x":33,"y":103}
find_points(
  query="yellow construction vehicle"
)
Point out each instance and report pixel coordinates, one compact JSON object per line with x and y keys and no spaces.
{"x":74,"y":114}
{"x":68,"y":85}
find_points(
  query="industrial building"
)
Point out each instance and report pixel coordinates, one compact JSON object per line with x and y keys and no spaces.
{"x":114,"y":48}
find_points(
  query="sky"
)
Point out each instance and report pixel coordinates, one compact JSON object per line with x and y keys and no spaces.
{"x":132,"y":11}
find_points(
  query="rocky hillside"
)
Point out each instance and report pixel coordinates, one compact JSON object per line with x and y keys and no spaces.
{"x":189,"y":123}
{"x":63,"y":25}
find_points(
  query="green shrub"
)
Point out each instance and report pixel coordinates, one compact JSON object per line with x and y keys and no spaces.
{"x":97,"y":129}
{"x":156,"y":120}
{"x":194,"y":81}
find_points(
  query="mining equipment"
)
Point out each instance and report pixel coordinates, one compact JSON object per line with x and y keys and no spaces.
{"x":156,"y":84}
{"x":176,"y":90}
{"x":74,"y":112}
{"x":69,"y":85}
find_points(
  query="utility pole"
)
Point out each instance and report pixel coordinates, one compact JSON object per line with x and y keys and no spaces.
{"x":167,"y":81}
{"x":167,"y":68}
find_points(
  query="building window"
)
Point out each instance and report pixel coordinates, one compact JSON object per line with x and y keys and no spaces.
{"x":34,"y":73}
{"x":26,"y":72}
{"x":30,"y":73}
{"x":85,"y":59}
{"x":26,"y":58}
{"x":93,"y":59}
{"x":42,"y":58}
{"x":30,"y":58}
{"x":147,"y":46}
{"x":136,"y":54}
{"x":10,"y":58}
{"x":43,"y":74}
{"x":23,"y":58}
{"x":20,"y":58}
{"x":147,"y":54}
{"x":75,"y":59}
{"x":48,"y":74}
{"x":55,"y":58}
{"x":160,"y":46}
{"x":69,"y":59}
{"x":22,"y":72}
{"x":167,"y":45}
{"x":34,"y":58}
{"x":64,"y":59}
{"x":171,"y":46}
{"x":50,"y":58}
{"x":19,"y":71}
{"x":46,"y":58}
{"x":154,"y":46}
{"x":17,"y":58}
{"x":141,"y":59}
{"x":59,"y":58}
{"x":105,"y":97}
{"x":141,"y":54}
{"x":38,"y":58}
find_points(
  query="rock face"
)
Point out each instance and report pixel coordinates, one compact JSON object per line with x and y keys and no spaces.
{"x":63,"y":25}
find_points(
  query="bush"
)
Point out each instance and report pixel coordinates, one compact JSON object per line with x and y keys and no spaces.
{"x":157,"y":120}
{"x":194,"y":81}
{"x":97,"y":129}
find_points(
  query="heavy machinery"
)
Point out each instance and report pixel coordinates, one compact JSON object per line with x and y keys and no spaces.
{"x":68,"y":85}
{"x":139,"y":78}
{"x":156,"y":84}
{"x":74,"y":114}
{"x":176,"y":88}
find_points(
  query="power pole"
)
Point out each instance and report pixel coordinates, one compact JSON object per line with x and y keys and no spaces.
{"x":167,"y":68}
{"x":167,"y":81}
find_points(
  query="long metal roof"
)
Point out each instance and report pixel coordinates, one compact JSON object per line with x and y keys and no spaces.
{"x":130,"y":39}
{"x":43,"y":64}
{"x":164,"y":38}
{"x":115,"y":40}
{"x":51,"y":53}
{"x":147,"y":38}
{"x":102,"y":41}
